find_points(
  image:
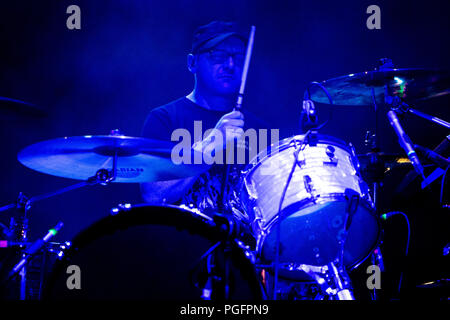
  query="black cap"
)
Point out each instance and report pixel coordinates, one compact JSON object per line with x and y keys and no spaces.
{"x":208,"y":36}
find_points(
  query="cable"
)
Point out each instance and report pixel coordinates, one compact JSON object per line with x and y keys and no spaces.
{"x":385,"y":217}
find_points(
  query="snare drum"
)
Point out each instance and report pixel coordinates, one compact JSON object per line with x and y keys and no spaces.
{"x":313,"y":212}
{"x":156,"y":253}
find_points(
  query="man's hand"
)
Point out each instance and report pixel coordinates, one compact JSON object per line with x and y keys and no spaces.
{"x":228,"y":129}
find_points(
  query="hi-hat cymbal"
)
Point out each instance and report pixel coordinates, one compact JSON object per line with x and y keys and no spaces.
{"x":407,"y":84}
{"x":138,"y":159}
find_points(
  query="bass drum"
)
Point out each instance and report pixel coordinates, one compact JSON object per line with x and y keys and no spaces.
{"x":155,"y":253}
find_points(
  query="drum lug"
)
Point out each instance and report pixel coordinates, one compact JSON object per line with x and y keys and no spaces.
{"x":330,"y":152}
{"x":309,"y":186}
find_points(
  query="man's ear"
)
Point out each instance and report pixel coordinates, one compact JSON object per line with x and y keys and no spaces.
{"x":192,"y":62}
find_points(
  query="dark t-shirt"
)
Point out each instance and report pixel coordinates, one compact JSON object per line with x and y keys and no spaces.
{"x":206,"y":193}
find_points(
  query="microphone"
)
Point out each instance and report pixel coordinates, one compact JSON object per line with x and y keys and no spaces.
{"x":433,"y":156}
{"x":405,"y":142}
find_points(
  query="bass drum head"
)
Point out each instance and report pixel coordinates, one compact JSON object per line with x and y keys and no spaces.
{"x":150,"y":252}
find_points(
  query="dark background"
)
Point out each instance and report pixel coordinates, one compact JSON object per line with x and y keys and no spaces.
{"x":130,"y":56}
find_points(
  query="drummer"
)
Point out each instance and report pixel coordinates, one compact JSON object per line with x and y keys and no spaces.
{"x":216,"y":61}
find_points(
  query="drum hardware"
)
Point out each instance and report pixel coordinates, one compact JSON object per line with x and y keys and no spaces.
{"x":313,"y":201}
{"x":216,"y":278}
{"x":446,"y":250}
{"x":278,"y":217}
{"x":195,"y":266}
{"x":326,"y":190}
{"x":332,"y":279}
{"x":340,"y":281}
{"x":392,"y":87}
{"x":355,"y":89}
{"x":229,"y":228}
{"x":33,"y":249}
{"x":308,"y":117}
{"x":353,"y":199}
{"x":30,"y":286}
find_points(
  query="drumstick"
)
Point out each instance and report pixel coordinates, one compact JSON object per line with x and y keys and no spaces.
{"x":248,"y":55}
{"x":238,"y":106}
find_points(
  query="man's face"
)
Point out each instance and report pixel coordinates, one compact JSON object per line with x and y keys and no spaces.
{"x":219,"y":70}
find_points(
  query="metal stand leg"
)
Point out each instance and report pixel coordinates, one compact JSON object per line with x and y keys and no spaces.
{"x":332,"y":279}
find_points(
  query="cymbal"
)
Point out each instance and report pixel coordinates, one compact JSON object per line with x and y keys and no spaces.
{"x":407,"y":84}
{"x":10,"y":106}
{"x":80,"y":157}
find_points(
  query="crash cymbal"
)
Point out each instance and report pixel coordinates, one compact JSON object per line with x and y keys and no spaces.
{"x":9,"y":107}
{"x":407,"y":84}
{"x":138,"y":159}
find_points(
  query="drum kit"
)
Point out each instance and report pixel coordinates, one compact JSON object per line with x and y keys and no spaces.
{"x":306,"y":215}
